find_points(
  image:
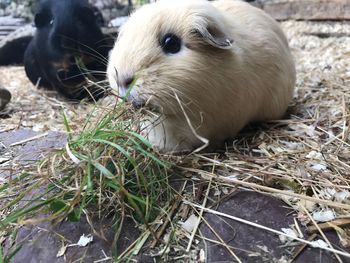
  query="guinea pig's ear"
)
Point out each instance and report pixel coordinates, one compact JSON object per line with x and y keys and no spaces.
{"x":214,"y":34}
{"x":90,"y":14}
{"x":85,"y":14}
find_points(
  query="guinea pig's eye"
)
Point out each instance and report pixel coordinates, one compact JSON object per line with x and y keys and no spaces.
{"x":171,"y":44}
{"x":42,"y":19}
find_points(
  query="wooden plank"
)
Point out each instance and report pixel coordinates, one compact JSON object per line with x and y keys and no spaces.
{"x":308,"y":9}
{"x":13,"y":45}
{"x":11,"y":21}
{"x":9,"y":28}
{"x":8,"y":25}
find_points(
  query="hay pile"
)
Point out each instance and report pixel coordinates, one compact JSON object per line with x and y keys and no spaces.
{"x":40,"y":109}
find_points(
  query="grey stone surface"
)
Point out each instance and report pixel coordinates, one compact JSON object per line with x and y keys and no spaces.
{"x":251,"y":244}
{"x":42,"y":243}
{"x":24,"y":151}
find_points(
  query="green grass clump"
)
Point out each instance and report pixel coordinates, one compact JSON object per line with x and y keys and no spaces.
{"x":108,"y":167}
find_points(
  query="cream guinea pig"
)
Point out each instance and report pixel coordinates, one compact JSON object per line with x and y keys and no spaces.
{"x":205,"y":69}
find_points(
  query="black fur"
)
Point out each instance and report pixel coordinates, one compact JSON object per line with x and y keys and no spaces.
{"x":68,"y":31}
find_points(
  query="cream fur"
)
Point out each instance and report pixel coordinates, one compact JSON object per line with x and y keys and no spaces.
{"x":220,"y":90}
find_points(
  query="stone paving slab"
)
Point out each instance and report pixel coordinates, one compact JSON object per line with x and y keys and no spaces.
{"x":25,"y":146}
{"x":41,"y":244}
{"x":251,"y":244}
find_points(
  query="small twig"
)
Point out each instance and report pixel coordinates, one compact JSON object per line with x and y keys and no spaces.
{"x":225,"y":197}
{"x":199,"y":218}
{"x":197,"y":197}
{"x":223,"y":243}
{"x":329,"y":225}
{"x":205,"y":141}
{"x":230,"y":194}
{"x":133,"y":244}
{"x":184,"y":213}
{"x":335,"y":137}
{"x":169,"y":216}
{"x":29,"y":139}
{"x":199,"y":193}
{"x":89,"y":221}
{"x":298,"y":228}
{"x":166,"y":223}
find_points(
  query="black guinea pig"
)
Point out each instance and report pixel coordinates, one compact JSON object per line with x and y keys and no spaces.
{"x":68,"y":52}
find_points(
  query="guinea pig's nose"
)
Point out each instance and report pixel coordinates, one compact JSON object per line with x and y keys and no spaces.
{"x":128,"y":81}
{"x":66,"y":43}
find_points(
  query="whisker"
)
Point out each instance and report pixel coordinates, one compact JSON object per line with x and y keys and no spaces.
{"x":87,"y":74}
{"x":107,"y":38}
{"x":94,"y":52}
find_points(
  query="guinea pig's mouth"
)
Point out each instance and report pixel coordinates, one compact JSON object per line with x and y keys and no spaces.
{"x":145,"y":105}
{"x":139,"y":101}
{"x":75,"y":68}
